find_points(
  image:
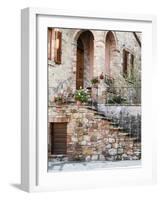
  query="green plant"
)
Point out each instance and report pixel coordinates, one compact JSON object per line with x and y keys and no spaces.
{"x":117,"y":99}
{"x":94,"y":80}
{"x":58,"y":99}
{"x":81,"y":95}
{"x":109,"y":80}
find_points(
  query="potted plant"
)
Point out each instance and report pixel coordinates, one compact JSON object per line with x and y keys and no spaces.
{"x":95,"y":81}
{"x":117,"y":99}
{"x":60,"y":99}
{"x":109,"y":80}
{"x":81,"y":96}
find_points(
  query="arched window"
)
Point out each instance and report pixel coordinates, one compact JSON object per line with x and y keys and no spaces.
{"x":110,"y":46}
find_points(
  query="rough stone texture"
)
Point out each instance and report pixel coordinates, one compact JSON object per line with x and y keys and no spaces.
{"x":86,"y":141}
{"x":90,"y":138}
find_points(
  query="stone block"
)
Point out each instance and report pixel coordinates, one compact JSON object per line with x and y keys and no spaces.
{"x":120,"y":150}
{"x":87,"y":151}
{"x":112,"y":152}
{"x":115,"y":145}
{"x":93,"y":138}
{"x":108,"y":146}
{"x":94,"y":157}
{"x":125,"y":157}
{"x":111,"y":140}
{"x":84,"y":142}
{"x":74,"y":139}
{"x":110,"y":158}
{"x":88,"y":158}
{"x":135,"y":158}
{"x":86,"y":138}
{"x":130,"y":152}
{"x":101,"y":157}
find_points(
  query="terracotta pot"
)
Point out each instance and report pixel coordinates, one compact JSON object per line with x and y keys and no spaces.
{"x":102,"y":76}
{"x":79,"y":103}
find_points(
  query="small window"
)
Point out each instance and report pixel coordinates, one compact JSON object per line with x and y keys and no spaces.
{"x":128,"y":64}
{"x":125,"y":63}
{"x":132,"y":65}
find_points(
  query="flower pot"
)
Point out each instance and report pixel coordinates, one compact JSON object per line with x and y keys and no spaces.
{"x":102,"y":76}
{"x":79,"y":103}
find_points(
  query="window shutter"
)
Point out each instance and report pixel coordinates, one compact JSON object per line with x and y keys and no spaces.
{"x":49,"y":43}
{"x":125,"y":63}
{"x":58,"y":47}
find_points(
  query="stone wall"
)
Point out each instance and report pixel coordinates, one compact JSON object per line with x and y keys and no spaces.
{"x":92,"y":137}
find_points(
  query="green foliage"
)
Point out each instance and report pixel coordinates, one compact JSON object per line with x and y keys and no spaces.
{"x":94,"y":80}
{"x":58,"y":99}
{"x":117,"y":99}
{"x":81,"y":95}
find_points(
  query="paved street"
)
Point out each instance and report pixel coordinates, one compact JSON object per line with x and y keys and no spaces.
{"x":92,"y":165}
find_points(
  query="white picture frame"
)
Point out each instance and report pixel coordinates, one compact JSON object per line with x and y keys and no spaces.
{"x":34,"y":175}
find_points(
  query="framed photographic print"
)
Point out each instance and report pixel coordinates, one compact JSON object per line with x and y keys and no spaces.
{"x":86,"y":110}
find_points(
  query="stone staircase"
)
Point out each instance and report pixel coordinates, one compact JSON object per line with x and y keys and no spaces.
{"x":91,"y":136}
{"x":122,"y":146}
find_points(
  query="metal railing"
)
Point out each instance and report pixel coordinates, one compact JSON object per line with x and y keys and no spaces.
{"x":110,"y":95}
{"x":123,"y":95}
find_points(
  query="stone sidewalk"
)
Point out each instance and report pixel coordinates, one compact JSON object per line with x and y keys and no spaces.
{"x":92,"y":165}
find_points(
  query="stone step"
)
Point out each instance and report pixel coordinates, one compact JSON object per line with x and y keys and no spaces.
{"x":137,"y":144}
{"x":114,"y":124}
{"x":93,"y":109}
{"x":103,"y":118}
{"x":99,"y":114}
{"x":123,"y":134}
{"x":115,"y":128}
{"x":131,"y":138}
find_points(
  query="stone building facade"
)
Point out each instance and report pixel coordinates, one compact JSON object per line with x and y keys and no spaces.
{"x":117,"y":54}
{"x":74,"y":58}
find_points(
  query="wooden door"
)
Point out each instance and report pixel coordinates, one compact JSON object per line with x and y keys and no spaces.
{"x":58,"y":138}
{"x":80,"y":68}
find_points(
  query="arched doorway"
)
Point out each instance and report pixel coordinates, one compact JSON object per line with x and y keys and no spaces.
{"x":84,"y":60}
{"x":80,"y":64}
{"x":110,"y":47}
